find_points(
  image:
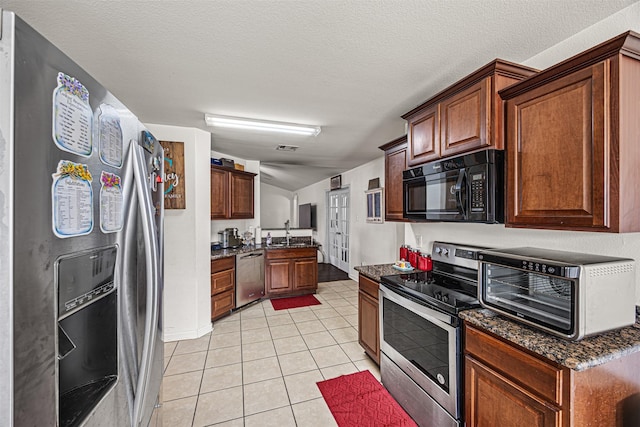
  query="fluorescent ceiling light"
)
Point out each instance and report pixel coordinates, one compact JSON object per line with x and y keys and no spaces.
{"x":260,"y":125}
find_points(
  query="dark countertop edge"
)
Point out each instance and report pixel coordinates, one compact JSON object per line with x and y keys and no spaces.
{"x":365,"y":270}
{"x":293,"y":246}
{"x":375,"y":271}
{"x":284,"y":229}
{"x":611,"y":353}
{"x":225,"y":253}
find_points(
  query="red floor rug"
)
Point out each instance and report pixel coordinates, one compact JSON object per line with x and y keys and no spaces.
{"x":359,"y":400}
{"x":294,"y":302}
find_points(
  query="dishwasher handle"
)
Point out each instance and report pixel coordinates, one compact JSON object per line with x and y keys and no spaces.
{"x":254,"y":255}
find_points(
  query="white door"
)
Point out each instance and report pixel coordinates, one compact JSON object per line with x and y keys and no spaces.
{"x":338,"y":215}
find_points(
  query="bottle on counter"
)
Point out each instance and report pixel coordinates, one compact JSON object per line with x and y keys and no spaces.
{"x":268,"y":238}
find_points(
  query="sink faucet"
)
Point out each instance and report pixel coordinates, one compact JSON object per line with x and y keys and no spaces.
{"x":288,"y":235}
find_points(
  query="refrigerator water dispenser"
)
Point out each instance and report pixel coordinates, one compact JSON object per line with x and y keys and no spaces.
{"x":87,"y":362}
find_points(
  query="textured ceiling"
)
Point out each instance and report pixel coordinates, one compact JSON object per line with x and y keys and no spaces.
{"x":350,"y":66}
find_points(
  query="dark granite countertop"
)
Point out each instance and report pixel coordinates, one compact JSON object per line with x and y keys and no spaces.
{"x":374,"y":272}
{"x":223,"y":253}
{"x":581,"y":355}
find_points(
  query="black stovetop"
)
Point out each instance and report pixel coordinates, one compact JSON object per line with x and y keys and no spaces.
{"x":446,"y":292}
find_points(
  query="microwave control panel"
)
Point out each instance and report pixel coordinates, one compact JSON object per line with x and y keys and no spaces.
{"x":478,"y":191}
{"x":533,"y":265}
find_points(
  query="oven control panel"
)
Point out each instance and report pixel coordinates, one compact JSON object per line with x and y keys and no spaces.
{"x":451,"y":253}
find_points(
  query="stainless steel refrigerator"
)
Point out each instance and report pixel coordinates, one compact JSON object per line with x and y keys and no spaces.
{"x":81,"y":245}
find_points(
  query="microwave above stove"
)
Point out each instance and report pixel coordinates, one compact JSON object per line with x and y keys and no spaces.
{"x":468,"y":188}
{"x":570,"y":295}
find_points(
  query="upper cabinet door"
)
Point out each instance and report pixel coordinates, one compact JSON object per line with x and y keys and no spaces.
{"x":395,"y":162}
{"x":241,"y":195}
{"x":424,"y":136}
{"x":231,"y":193}
{"x":558,"y":160}
{"x":464,"y":124}
{"x":219,"y":194}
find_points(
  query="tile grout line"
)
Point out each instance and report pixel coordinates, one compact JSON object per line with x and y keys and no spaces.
{"x":344,"y":298}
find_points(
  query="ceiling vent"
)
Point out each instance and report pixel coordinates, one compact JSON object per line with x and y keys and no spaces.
{"x":287,"y":147}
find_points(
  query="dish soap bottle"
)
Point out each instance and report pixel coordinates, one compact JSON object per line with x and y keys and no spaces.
{"x":268,"y":238}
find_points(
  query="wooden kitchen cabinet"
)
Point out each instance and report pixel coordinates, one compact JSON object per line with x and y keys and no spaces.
{"x":506,"y":385}
{"x":424,"y":136}
{"x":368,"y":317}
{"x":219,"y":193}
{"x":223,"y":276}
{"x":231,"y":193}
{"x":395,"y":162}
{"x":291,"y":271}
{"x":464,"y":117}
{"x":572,"y":142}
{"x":241,"y":190}
{"x":495,"y":401}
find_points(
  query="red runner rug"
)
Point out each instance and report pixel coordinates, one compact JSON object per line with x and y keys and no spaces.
{"x":294,"y":302}
{"x":359,"y":400}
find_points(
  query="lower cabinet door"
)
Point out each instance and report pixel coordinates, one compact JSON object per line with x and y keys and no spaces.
{"x":277,"y":276}
{"x":222,"y":303}
{"x":493,"y":400}
{"x":305,"y":274}
{"x":368,"y":327}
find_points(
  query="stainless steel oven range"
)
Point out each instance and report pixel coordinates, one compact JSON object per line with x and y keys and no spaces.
{"x":420,"y":334}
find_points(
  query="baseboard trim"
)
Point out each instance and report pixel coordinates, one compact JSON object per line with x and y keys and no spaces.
{"x":187,"y":335}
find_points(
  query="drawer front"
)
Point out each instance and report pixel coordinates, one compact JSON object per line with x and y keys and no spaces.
{"x":531,"y":373}
{"x":222,"y":281}
{"x":222,"y":303}
{"x":290,"y":253}
{"x":223,"y":264}
{"x":368,"y":286}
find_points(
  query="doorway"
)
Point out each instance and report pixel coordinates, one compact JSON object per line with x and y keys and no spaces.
{"x":338,"y":229}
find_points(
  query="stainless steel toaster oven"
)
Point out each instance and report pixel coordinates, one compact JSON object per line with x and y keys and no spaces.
{"x":570,"y":295}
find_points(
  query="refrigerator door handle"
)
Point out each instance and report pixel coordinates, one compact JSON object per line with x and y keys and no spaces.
{"x":152,"y":262}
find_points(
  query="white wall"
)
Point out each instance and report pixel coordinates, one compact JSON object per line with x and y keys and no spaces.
{"x":369,"y":243}
{"x":187,"y":271}
{"x":276,"y":206}
{"x":618,"y":23}
{"x":626,"y":245}
{"x":241,"y":224}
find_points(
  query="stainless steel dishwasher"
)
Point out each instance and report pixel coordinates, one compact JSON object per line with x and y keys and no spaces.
{"x":249,"y":277}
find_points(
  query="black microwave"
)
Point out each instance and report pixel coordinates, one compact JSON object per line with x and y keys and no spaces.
{"x":467,"y":188}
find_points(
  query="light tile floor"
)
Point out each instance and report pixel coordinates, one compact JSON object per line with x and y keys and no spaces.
{"x":259,"y":367}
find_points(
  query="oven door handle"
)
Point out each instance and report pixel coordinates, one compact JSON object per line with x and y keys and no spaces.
{"x":441,"y":319}
{"x":458,"y":189}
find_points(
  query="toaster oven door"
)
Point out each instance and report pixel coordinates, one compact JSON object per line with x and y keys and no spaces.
{"x":544,"y":301}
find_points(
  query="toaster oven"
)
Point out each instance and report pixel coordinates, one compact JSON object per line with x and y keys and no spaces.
{"x":570,"y":295}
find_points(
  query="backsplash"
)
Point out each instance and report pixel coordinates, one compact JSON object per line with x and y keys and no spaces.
{"x":293,"y":240}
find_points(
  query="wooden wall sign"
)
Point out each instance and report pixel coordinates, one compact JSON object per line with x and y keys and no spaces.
{"x":174,"y":183}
